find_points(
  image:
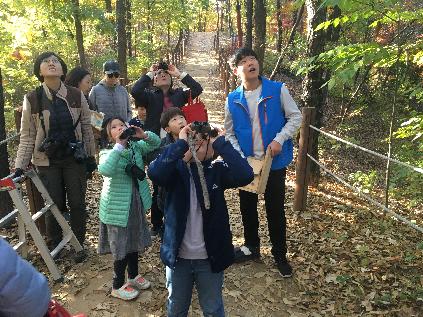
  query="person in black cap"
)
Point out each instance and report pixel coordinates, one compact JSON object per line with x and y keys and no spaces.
{"x":108,"y":96}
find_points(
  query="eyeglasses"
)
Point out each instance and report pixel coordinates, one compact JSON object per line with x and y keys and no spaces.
{"x":116,"y":75}
{"x":50,"y":60}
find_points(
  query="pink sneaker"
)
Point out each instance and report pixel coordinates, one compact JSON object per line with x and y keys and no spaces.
{"x":139,"y":282}
{"x":126,"y":292}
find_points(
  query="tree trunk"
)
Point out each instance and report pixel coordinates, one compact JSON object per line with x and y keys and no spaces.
{"x":279,"y":21}
{"x":109,"y":8}
{"x":229,"y":17}
{"x":290,"y":41}
{"x":332,"y":36}
{"x":333,"y":33}
{"x":168,"y":49}
{"x":218,"y":32}
{"x":238,"y":23}
{"x":149,"y":23}
{"x":129,"y":26}
{"x":260,"y":30}
{"x":249,"y":24}
{"x":121,"y":38}
{"x":6,"y":205}
{"x":313,"y":95}
{"x":78,"y":31}
{"x":200,"y":18}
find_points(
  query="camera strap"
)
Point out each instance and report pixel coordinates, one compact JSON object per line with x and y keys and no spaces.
{"x":206,"y":197}
{"x":39,"y":92}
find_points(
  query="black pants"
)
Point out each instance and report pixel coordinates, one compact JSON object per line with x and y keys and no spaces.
{"x":156,"y":212}
{"x":274,"y":198}
{"x":65,"y":178}
{"x":130,"y":261}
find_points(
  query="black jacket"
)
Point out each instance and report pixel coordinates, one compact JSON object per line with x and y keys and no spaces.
{"x":169,"y":170}
{"x":152,"y":98}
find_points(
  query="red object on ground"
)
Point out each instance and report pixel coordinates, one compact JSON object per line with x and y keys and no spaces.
{"x":7,"y":184}
{"x":57,"y":310}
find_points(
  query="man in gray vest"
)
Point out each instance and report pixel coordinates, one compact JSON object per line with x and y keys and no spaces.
{"x":108,"y":96}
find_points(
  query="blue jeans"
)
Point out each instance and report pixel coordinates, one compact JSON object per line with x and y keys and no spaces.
{"x":179,"y":283}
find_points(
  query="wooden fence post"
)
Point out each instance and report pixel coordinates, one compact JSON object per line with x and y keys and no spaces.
{"x":35,"y":200}
{"x":302,"y":167}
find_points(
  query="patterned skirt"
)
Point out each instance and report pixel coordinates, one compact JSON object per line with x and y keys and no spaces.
{"x":135,"y":237}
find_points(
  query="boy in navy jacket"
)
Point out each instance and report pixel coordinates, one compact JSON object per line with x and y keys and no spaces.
{"x":259,"y":115}
{"x":197,"y":242}
{"x":172,"y":121}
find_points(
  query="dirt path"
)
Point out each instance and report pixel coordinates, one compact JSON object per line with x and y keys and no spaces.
{"x":253,"y":289}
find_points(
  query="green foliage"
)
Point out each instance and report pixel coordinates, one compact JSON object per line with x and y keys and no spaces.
{"x":365,"y":182}
{"x":381,"y":49}
{"x":28,"y":28}
{"x":404,"y":180}
{"x":412,"y":129}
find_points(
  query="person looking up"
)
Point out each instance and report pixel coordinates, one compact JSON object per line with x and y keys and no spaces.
{"x":155,"y":91}
{"x":261,"y":115}
{"x":197,"y":241}
{"x":55,"y":118}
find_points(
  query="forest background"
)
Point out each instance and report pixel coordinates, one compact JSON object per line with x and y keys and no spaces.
{"x":358,"y":62}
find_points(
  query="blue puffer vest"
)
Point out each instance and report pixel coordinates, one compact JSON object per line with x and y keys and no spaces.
{"x":272,"y":119}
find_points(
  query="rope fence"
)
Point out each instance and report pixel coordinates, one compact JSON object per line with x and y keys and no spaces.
{"x":367,"y":197}
{"x":9,"y":138}
{"x":416,"y":169}
{"x":304,"y":161}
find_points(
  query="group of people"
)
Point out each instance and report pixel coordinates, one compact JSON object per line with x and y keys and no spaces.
{"x":189,"y":167}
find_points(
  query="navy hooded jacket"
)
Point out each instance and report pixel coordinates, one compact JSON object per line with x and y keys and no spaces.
{"x":169,"y":170}
{"x":23,"y":290}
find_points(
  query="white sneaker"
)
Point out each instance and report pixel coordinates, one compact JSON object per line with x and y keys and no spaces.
{"x":139,"y":282}
{"x":126,"y":292}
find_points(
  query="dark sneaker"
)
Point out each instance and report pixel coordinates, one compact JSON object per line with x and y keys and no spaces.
{"x":284,"y":268}
{"x":244,"y":253}
{"x":80,"y":256}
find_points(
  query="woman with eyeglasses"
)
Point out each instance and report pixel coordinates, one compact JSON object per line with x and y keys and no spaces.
{"x":108,"y":96}
{"x":56,"y":136}
{"x":163,"y":95}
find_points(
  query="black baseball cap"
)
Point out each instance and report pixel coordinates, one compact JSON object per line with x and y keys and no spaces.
{"x":111,"y":67}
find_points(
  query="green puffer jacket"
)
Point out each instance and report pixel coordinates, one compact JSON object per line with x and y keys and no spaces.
{"x":116,"y":194}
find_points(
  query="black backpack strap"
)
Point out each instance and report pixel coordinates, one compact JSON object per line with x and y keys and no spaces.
{"x":39,"y":92}
{"x":77,"y":121}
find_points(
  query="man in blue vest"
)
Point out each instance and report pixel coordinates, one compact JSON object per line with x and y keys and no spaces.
{"x":261,"y":114}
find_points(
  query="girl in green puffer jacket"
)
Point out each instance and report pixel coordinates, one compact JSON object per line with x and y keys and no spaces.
{"x":124,"y":198}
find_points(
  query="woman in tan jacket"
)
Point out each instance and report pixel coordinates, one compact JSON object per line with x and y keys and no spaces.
{"x":55,"y":131}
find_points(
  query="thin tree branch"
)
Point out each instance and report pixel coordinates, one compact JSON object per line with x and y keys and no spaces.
{"x":290,"y":41}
